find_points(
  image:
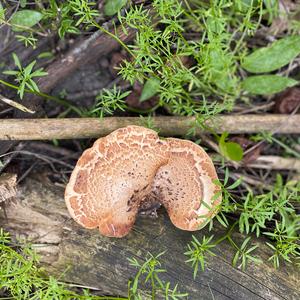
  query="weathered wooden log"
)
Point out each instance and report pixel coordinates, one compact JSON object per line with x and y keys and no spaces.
{"x":40,"y":215}
{"x":48,"y":129}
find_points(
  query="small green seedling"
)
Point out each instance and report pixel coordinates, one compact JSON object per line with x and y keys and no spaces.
{"x":230,"y":150}
{"x":24,"y":76}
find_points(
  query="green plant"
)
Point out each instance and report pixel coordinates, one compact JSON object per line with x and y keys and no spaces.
{"x":2,"y":13}
{"x":24,"y":76}
{"x":228,"y":204}
{"x":230,"y":150}
{"x":272,"y":214}
{"x":267,"y":59}
{"x":191,"y":77}
{"x":107,"y":102}
{"x":161,"y":54}
{"x":70,"y":16}
{"x":198,"y":252}
{"x":148,"y":272}
{"x":61,"y":17}
{"x":149,"y":123}
{"x":21,"y":278}
{"x":243,"y":254}
{"x":285,"y":242}
{"x":270,"y":138}
{"x":27,"y":40}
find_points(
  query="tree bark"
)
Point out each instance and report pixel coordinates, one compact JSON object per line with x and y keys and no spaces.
{"x":74,"y":128}
{"x":87,"y":258}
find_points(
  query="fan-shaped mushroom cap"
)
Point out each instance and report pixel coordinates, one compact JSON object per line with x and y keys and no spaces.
{"x":113,"y":177}
{"x":185,"y":185}
{"x":132,"y":167}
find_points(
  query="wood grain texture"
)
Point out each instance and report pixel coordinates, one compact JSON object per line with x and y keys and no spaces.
{"x":40,"y":215}
{"x":48,"y":129}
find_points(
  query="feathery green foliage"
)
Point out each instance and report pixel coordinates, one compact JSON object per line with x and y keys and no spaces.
{"x":24,"y":76}
{"x":272,"y":214}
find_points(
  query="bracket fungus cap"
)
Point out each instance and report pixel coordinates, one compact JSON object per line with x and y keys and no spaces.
{"x":185,"y":185}
{"x":113,"y":177}
{"x":130,"y":166}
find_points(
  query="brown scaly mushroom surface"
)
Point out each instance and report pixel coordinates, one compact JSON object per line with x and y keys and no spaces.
{"x":113,"y":177}
{"x":131,"y":166}
{"x":185,"y":185}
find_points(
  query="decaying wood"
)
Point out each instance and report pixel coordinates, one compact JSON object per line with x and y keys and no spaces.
{"x":8,"y":184}
{"x":83,"y":52}
{"x":75,"y":128}
{"x":86,"y":258}
{"x":16,"y":104}
{"x":272,"y":162}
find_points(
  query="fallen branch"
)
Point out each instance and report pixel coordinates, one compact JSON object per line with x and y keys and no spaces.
{"x":271,"y":162}
{"x":74,"y":128}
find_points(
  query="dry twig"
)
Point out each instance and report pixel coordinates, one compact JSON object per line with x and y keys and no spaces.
{"x":75,"y":128}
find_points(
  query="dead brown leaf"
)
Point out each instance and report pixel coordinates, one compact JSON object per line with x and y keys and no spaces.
{"x":287,"y":101}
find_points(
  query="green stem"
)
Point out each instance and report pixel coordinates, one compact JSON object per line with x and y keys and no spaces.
{"x":153,"y":288}
{"x":55,"y":99}
{"x":286,"y":147}
{"x":233,"y":243}
{"x":115,"y":37}
{"x":228,"y":234}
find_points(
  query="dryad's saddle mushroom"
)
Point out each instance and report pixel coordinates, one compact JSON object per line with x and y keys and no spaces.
{"x":132,"y":166}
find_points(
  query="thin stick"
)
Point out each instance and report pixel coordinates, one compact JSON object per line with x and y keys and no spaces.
{"x":271,"y":162}
{"x":16,"y":105}
{"x":74,"y":128}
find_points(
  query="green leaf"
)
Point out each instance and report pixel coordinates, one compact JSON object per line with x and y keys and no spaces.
{"x":245,"y":242}
{"x":234,"y":151}
{"x":150,"y":89}
{"x":29,"y":68}
{"x":271,"y":58}
{"x":221,"y":221}
{"x":23,"y":3}
{"x":25,"y":18}
{"x":235,"y":258}
{"x":112,"y":7}
{"x":267,"y":84}
{"x":235,"y":184}
{"x":45,"y":55}
{"x":10,"y":72}
{"x":2,"y":13}
{"x":230,"y":150}
{"x":17,"y":61}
